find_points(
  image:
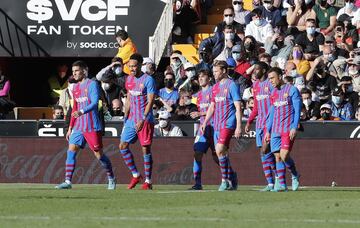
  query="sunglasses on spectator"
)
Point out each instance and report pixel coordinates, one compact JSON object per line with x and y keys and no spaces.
{"x":237,"y":3}
{"x":167,"y":79}
{"x":228,"y":15}
{"x":267,"y":2}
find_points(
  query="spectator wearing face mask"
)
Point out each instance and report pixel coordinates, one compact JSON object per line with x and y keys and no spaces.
{"x":58,"y":112}
{"x":150,"y":69}
{"x":239,"y":79}
{"x":169,"y":96}
{"x":298,"y":80}
{"x":115,"y":69}
{"x":116,"y":110}
{"x":165,"y":128}
{"x":185,"y":83}
{"x":326,"y":113}
{"x":111,"y":90}
{"x":350,"y":96}
{"x":185,"y":107}
{"x":228,"y":19}
{"x":270,"y":13}
{"x":346,"y":35}
{"x":326,"y":16}
{"x":299,"y":13}
{"x":302,"y":65}
{"x":312,"y":108}
{"x":237,"y":53}
{"x":248,"y":108}
{"x":337,"y":52}
{"x":240,"y":12}
{"x":126,"y":48}
{"x":339,"y":107}
{"x":251,"y":50}
{"x":259,"y":28}
{"x":177,"y":62}
{"x":205,"y":59}
{"x":185,"y":17}
{"x":350,"y":9}
{"x":279,"y":47}
{"x":349,"y":67}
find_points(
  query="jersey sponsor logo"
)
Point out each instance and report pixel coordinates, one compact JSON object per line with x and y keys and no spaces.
{"x":262,"y":97}
{"x":204,"y":105}
{"x":280,"y":103}
{"x":135,"y":93}
{"x":220,"y":99}
{"x":81,"y":99}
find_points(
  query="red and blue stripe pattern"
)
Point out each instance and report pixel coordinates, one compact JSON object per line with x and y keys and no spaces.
{"x":170,"y":98}
{"x":285,"y":109}
{"x":86,"y":98}
{"x":203,"y":102}
{"x":224,"y":93}
{"x":138,"y":89}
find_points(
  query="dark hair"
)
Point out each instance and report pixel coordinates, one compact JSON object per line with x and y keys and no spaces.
{"x":58,"y":107}
{"x":137,"y":57}
{"x":170,"y":73}
{"x":265,"y":55}
{"x":229,"y":27}
{"x":263,"y":65}
{"x":176,"y":52}
{"x":229,"y":7}
{"x":222,"y":64}
{"x":305,"y":91}
{"x":204,"y":71}
{"x":312,"y":20}
{"x":277,"y":70}
{"x":117,"y":59}
{"x":80,"y":64}
{"x":122,"y":34}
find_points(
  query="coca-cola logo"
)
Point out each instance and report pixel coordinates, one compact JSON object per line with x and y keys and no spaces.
{"x":355,"y":133}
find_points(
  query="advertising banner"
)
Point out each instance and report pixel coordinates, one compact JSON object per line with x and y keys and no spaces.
{"x":85,"y":28}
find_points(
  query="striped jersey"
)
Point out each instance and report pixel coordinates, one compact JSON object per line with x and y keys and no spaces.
{"x":86,"y":98}
{"x":203,"y":102}
{"x":170,"y":98}
{"x":138,"y":89}
{"x":285,"y":109}
{"x":224,"y":93}
{"x":261,"y":93}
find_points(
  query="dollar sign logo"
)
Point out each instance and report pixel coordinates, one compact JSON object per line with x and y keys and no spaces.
{"x":39,"y":10}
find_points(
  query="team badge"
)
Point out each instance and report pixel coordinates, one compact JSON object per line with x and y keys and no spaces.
{"x":286,"y":95}
{"x":141,"y":85}
{"x":266,"y":89}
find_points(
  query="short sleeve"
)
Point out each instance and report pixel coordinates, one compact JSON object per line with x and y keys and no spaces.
{"x":235,"y":92}
{"x":150,"y":85}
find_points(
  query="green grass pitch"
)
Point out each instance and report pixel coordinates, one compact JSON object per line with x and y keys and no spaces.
{"x":40,"y":205}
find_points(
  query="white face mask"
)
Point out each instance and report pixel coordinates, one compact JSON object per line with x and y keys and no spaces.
{"x":229,"y":36}
{"x":118,"y":70}
{"x":236,"y":56}
{"x":267,"y":6}
{"x":105,"y":86}
{"x":190,"y":74}
{"x":349,"y":5}
{"x":257,"y":22}
{"x":229,"y":20}
{"x":307,"y":102}
{"x":353,"y":72}
{"x":163,"y":123}
{"x":307,"y":2}
{"x":238,"y":8}
{"x":188,"y":102}
{"x":143,"y":68}
{"x":293,"y":73}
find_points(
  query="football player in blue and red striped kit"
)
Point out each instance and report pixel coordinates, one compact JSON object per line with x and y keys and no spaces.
{"x":85,"y":125}
{"x":261,"y":92}
{"x":138,"y":120}
{"x":281,"y":126}
{"x":225,"y":108}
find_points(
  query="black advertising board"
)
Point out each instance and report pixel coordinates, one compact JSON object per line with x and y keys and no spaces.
{"x":85,"y":28}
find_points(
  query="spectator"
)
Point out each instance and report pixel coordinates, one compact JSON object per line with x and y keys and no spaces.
{"x":6,"y":105}
{"x":184,"y":19}
{"x":165,"y":128}
{"x":312,"y":108}
{"x":279,"y":47}
{"x":248,"y":108}
{"x":270,"y":13}
{"x":311,"y":39}
{"x":349,"y":67}
{"x":177,"y":62}
{"x":297,"y":15}
{"x":357,"y":114}
{"x":169,"y":96}
{"x":251,"y":52}
{"x":241,"y":64}
{"x":346,"y":35}
{"x":229,"y":15}
{"x":58,"y":82}
{"x":205,"y":59}
{"x":326,"y":113}
{"x":110,"y":88}
{"x":302,"y":65}
{"x":239,"y":79}
{"x":58,"y":112}
{"x":65,"y":100}
{"x":150,"y":68}
{"x":339,"y":107}
{"x":326,"y":15}
{"x":116,"y":110}
{"x":126,"y":48}
{"x":190,"y":72}
{"x":259,"y":28}
{"x":337,"y":52}
{"x":240,"y":12}
{"x":348,"y":90}
{"x":298,"y":80}
{"x":323,"y":82}
{"x":185,"y":107}
{"x":349,"y":9}
{"x":115,"y":71}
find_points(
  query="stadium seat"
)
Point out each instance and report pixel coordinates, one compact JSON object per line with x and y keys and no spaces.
{"x":33,"y":113}
{"x":200,"y":37}
{"x":189,"y":51}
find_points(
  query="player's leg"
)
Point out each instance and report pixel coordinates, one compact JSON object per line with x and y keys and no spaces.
{"x":286,"y":147}
{"x":275,"y":145}
{"x":94,"y":140}
{"x":76,"y":142}
{"x":267,"y":159}
{"x":145,"y":136}
{"x":128,"y":136}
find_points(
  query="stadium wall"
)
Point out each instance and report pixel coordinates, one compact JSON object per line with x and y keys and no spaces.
{"x":41,"y":160}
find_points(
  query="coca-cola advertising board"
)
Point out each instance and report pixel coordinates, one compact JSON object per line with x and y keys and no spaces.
{"x":84,"y":28}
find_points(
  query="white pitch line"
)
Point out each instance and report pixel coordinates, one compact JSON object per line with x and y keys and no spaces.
{"x":185,"y":191}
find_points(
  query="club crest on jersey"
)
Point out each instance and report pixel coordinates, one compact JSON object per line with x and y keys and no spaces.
{"x":286,"y":95}
{"x":266,"y":89}
{"x":141,"y":85}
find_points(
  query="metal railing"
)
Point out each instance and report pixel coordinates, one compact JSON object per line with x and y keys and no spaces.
{"x":158,"y":42}
{"x":15,"y":41}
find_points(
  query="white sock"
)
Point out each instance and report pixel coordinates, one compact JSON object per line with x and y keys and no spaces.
{"x":68,"y":181}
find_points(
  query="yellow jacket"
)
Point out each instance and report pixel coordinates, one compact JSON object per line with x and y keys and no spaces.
{"x":125,"y":52}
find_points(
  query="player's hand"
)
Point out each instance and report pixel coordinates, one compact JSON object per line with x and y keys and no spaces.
{"x":139,"y":125}
{"x":238,"y":132}
{"x":76,"y":114}
{"x":292,"y":134}
{"x":68,"y":133}
{"x":267,"y":137}
{"x":247,"y":128}
{"x":194,"y":115}
{"x":202,"y":128}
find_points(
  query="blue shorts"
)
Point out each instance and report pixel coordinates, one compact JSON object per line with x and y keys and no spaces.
{"x":223,"y":136}
{"x":260,"y":134}
{"x":130,"y":135}
{"x":281,"y":141}
{"x":204,"y":140}
{"x":94,"y":139}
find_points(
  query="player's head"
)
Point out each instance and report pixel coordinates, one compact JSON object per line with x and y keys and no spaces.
{"x":220,"y":69}
{"x":135,"y":64}
{"x":260,"y":70}
{"x":79,"y":70}
{"x":204,"y":78}
{"x":275,"y":76}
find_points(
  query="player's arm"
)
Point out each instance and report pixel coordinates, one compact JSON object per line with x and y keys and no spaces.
{"x":209,"y":113}
{"x":238,"y":115}
{"x":127,"y":107}
{"x":296,"y":101}
{"x":151,"y":92}
{"x":269,"y":120}
{"x":94,"y":96}
{"x":72,"y":118}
